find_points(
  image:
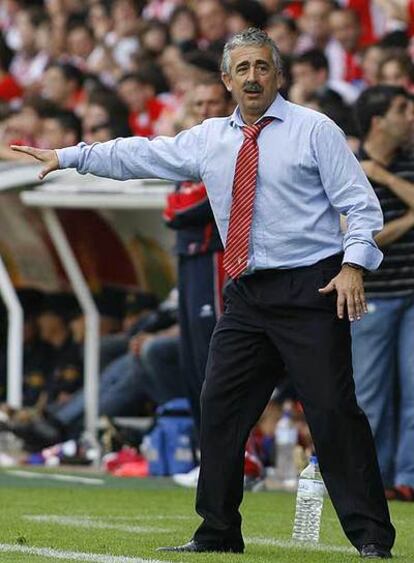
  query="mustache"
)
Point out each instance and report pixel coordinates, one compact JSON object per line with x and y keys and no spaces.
{"x":252,"y":87}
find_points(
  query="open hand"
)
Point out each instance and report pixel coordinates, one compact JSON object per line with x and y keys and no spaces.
{"x":350,"y":292}
{"x":46,"y":156}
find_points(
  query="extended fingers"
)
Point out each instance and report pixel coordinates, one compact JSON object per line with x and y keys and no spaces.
{"x":26,"y":150}
{"x":355,"y":303}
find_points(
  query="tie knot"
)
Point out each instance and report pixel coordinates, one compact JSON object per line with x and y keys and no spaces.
{"x":252,"y":131}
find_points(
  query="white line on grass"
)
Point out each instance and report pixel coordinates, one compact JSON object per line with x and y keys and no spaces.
{"x":155,"y":517}
{"x":88,"y":522}
{"x":73,"y":555}
{"x":56,"y":477}
{"x":289,"y":544}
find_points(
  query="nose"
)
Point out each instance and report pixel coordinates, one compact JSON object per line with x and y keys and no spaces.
{"x":252,"y":74}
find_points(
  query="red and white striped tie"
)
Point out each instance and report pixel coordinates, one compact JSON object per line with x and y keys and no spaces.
{"x":244,"y":188}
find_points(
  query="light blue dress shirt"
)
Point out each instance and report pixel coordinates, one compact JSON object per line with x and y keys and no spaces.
{"x":307,"y":177}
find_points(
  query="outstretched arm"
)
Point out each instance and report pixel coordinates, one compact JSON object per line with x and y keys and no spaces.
{"x":172,"y":158}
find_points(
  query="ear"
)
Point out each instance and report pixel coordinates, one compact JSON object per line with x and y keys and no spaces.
{"x":227,"y":81}
{"x":376,"y":122}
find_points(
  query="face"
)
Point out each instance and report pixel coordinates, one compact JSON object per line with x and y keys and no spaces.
{"x":209,"y":101}
{"x":315,"y":19}
{"x":370,"y":65}
{"x":135,"y":95}
{"x":183,"y":28}
{"x":55,"y":87}
{"x":94,"y":123}
{"x":397,"y":123}
{"x":253,"y":79}
{"x":48,"y":324}
{"x":154,"y":40}
{"x":283,"y":37}
{"x":212,"y":20}
{"x":54,"y":135}
{"x":80,"y":43}
{"x":345,"y":29}
{"x":394,"y":75}
{"x":308,"y":78}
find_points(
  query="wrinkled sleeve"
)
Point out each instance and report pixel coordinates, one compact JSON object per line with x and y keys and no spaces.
{"x":171,"y":158}
{"x":350,"y":193}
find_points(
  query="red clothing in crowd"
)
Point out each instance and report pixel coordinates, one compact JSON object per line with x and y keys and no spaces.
{"x":9,"y":88}
{"x":364,"y":10}
{"x":411,"y":17}
{"x":294,"y":10}
{"x":353,"y":70}
{"x":142,"y":123}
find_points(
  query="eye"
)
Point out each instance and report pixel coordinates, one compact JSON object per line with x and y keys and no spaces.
{"x":241,"y":69}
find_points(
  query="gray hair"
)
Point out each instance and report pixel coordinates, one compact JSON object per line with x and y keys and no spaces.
{"x":251,"y":36}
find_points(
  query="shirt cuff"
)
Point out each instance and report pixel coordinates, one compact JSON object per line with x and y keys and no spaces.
{"x":369,"y":257}
{"x":68,"y":157}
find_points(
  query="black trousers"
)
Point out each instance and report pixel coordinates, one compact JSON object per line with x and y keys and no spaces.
{"x":275,"y":320}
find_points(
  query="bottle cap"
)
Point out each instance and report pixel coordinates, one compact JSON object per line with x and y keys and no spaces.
{"x":313,"y":459}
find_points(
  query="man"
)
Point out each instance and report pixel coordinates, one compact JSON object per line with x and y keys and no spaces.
{"x":211,"y":17}
{"x":314,"y":23}
{"x":60,"y":128}
{"x":383,"y":354}
{"x":310,"y":75}
{"x":283,"y":243}
{"x":200,"y":255}
{"x":345,"y":57}
{"x":62,"y":85}
{"x":138,"y":91}
{"x":200,"y":262}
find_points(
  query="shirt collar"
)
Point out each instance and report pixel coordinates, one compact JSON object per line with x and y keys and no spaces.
{"x":277,"y":109}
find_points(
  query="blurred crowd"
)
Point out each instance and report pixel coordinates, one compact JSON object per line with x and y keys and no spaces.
{"x":98,"y":69}
{"x":93,"y":70}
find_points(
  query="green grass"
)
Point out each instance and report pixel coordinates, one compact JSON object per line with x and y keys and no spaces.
{"x":131,"y":517}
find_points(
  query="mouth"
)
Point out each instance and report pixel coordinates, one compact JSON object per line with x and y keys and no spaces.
{"x":254,"y":94}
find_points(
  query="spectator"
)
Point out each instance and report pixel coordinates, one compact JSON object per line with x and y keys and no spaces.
{"x":344,"y":57}
{"x":245,"y":13}
{"x":62,"y":84}
{"x":331,"y":104}
{"x":105,"y":117}
{"x":80,"y":45}
{"x":154,"y":38}
{"x":61,"y":128}
{"x":26,"y":124}
{"x":397,"y":69}
{"x":370,"y":63}
{"x":183,"y":27}
{"x":67,"y":370}
{"x":310,"y":74}
{"x":123,"y":38}
{"x":37,"y":355}
{"x":212,"y":18}
{"x":284,"y":32}
{"x":9,"y":87}
{"x":314,"y":24}
{"x":124,"y":386}
{"x":138,"y":305}
{"x":28,"y":63}
{"x":138,"y":91}
{"x":382,"y":341}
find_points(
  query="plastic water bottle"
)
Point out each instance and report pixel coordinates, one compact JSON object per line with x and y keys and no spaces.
{"x":309,"y":503}
{"x":286,"y":439}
